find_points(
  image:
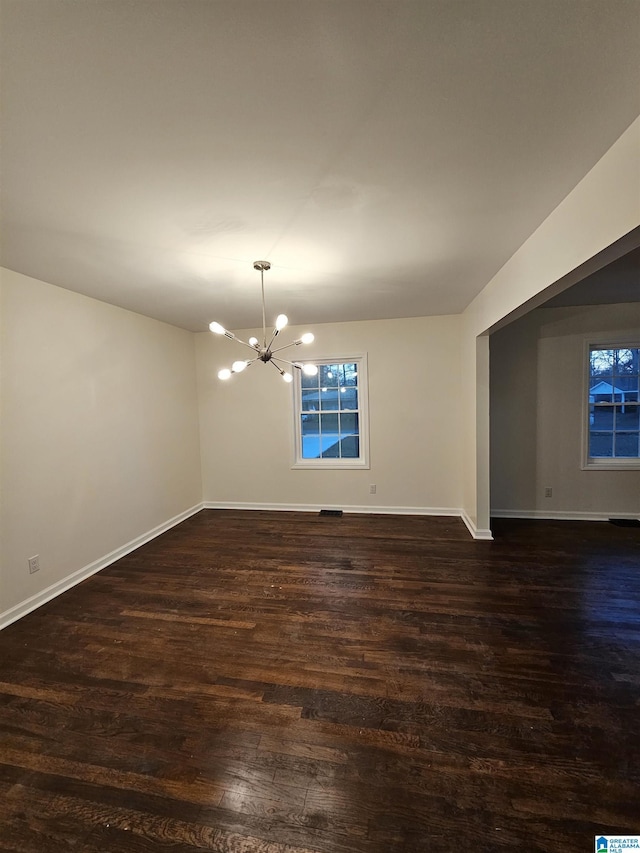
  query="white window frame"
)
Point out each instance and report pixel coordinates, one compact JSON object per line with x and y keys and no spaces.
{"x":362,"y":462}
{"x":602,"y":463}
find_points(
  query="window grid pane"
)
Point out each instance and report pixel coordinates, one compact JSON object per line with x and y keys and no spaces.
{"x":329,"y":418}
{"x":614,"y":386}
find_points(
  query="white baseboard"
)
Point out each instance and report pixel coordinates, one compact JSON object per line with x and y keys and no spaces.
{"x":382,"y":510}
{"x":558,"y":515}
{"x":477,"y":532}
{"x":40,"y":598}
{"x":347,"y":508}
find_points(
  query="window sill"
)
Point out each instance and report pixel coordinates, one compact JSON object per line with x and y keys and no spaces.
{"x":611,"y":465}
{"x":331,"y":464}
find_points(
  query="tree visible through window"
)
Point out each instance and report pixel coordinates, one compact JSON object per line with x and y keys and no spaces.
{"x":614,"y":391}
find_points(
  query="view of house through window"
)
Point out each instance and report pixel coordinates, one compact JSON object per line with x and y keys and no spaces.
{"x":614,"y":415}
{"x":329,"y":413}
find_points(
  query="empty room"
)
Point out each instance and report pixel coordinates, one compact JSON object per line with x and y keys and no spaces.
{"x":319,"y":426}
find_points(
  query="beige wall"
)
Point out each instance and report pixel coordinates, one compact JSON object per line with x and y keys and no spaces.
{"x":414,"y":402}
{"x":603,"y":208}
{"x":100,"y":438}
{"x":537,"y":388}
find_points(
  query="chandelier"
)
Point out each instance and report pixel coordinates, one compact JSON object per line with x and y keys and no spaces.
{"x":264,"y":351}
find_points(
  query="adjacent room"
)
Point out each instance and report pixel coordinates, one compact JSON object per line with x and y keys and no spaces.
{"x":386,"y":597}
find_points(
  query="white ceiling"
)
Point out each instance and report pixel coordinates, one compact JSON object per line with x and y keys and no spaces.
{"x":386,"y":157}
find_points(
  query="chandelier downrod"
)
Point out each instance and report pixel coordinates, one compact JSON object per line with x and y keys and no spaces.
{"x":262,"y":266}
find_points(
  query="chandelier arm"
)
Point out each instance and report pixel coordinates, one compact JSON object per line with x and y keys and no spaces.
{"x":274,"y":336}
{"x":279,"y":369}
{"x":247,"y":364}
{"x":295,"y":364}
{"x":286,"y":346}
{"x":240,"y":341}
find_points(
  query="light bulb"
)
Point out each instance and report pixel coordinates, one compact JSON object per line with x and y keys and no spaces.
{"x":281,"y":321}
{"x":310,"y":369}
{"x":225,"y":373}
{"x":287,"y":377}
{"x":307,"y":338}
{"x":342,"y":390}
{"x":253,"y":342}
{"x":329,"y":375}
{"x":217,"y":328}
{"x":238,"y":366}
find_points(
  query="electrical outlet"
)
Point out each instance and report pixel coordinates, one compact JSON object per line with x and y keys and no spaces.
{"x":372,"y":489}
{"x":548,"y":492}
{"x":34,"y":564}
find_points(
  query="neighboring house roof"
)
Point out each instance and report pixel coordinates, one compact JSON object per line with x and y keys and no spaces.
{"x":605,"y":388}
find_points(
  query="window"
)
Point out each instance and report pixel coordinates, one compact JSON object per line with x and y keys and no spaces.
{"x":613,"y":419}
{"x":331,"y":428}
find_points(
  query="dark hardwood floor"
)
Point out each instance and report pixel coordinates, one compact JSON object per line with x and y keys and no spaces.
{"x":284,"y":683}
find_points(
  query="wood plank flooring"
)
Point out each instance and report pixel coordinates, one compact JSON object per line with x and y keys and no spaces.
{"x":288,"y":683}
